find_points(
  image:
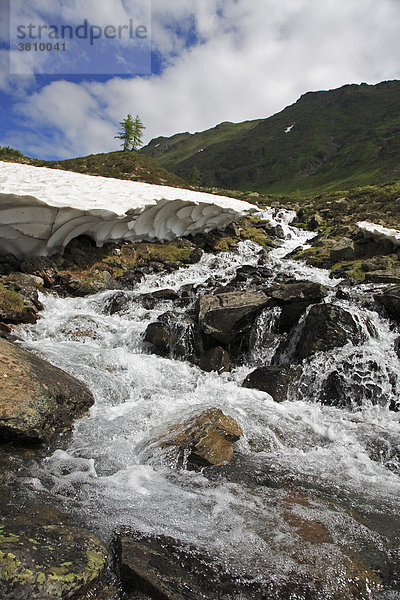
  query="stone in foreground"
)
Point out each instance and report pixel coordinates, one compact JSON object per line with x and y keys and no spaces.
{"x":168,"y":569}
{"x":43,"y":559}
{"x":208,"y":437}
{"x":42,"y":210}
{"x":36,"y":399}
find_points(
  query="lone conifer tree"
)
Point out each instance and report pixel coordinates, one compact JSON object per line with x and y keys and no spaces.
{"x":127,"y":132}
{"x":138,"y":128}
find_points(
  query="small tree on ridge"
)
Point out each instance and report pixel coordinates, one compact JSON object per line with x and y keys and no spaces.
{"x":138,"y":129}
{"x":127,"y":132}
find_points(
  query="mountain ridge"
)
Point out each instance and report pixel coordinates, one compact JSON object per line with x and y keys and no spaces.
{"x":340,"y":138}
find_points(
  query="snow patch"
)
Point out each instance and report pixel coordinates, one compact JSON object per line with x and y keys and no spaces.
{"x":42,"y":210}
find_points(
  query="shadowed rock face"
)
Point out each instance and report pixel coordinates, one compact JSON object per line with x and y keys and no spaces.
{"x":327,"y":327}
{"x":275,"y":380}
{"x":36,"y":399}
{"x":42,"y":210}
{"x":390,"y":299}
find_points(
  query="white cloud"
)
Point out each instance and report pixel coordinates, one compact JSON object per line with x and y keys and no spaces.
{"x":252,"y":59}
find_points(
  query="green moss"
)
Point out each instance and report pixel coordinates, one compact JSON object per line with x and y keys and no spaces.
{"x":169,"y":252}
{"x":9,"y":538}
{"x":62,"y":574}
{"x":350,"y":269}
{"x":10,"y":302}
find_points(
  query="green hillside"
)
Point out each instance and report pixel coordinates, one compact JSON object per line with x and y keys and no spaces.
{"x":339,"y":139}
{"x":121,"y":165}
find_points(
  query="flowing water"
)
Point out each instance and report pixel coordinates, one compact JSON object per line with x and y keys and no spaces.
{"x":311,"y":487}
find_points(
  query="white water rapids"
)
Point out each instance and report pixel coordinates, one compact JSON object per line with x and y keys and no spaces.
{"x":333,"y":469}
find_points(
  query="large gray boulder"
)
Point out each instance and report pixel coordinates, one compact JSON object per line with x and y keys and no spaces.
{"x":225,"y":316}
{"x":36,"y":399}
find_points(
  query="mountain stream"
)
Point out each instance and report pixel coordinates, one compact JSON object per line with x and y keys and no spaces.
{"x":311,"y":490}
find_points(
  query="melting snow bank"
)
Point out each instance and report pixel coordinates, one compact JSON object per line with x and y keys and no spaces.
{"x":42,"y":210}
{"x":379,"y":233}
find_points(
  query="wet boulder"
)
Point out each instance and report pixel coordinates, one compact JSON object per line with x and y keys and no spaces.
{"x":36,"y":399}
{"x":390,"y":299}
{"x":276,"y":381}
{"x":216,"y":359}
{"x":167,"y":568}
{"x":326,"y":327}
{"x":175,"y":337}
{"x":159,"y":336}
{"x":294,"y":298}
{"x":225,"y":316}
{"x":163,"y":567}
{"x":208,"y":437}
{"x":397,"y":346}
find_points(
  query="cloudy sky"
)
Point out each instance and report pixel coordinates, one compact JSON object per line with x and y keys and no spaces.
{"x":211,"y":61}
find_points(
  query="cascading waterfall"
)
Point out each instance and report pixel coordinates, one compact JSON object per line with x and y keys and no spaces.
{"x":299,"y":462}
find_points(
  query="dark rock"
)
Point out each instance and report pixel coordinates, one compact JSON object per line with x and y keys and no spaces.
{"x":168,"y":569}
{"x":116,"y":303}
{"x":195,"y":255}
{"x":5,"y":330}
{"x":175,"y":337}
{"x":43,"y":557}
{"x":252,"y":275}
{"x":315,"y":221}
{"x":342,"y":250}
{"x":216,"y":359}
{"x":326,"y":327}
{"x":36,"y":398}
{"x":166,"y":294}
{"x":390,"y":299}
{"x":382,"y":277}
{"x":276,"y":381}
{"x":208,"y":436}
{"x":159,"y":336}
{"x":397,"y":346}
{"x":225,"y":316}
{"x":164,"y":568}
{"x":8,"y":264}
{"x":297,"y":291}
{"x":334,"y":391}
{"x":365,"y":247}
{"x":295,"y":297}
{"x":274,"y":231}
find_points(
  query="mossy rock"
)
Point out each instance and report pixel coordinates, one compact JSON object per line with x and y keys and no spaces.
{"x":14,"y":308}
{"x":40,"y":561}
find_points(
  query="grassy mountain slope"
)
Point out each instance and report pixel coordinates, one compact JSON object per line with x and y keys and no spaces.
{"x":182,"y":146}
{"x":121,"y":165}
{"x":339,"y":139}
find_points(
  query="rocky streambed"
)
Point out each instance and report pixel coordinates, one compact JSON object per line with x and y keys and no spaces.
{"x":244,"y":440}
